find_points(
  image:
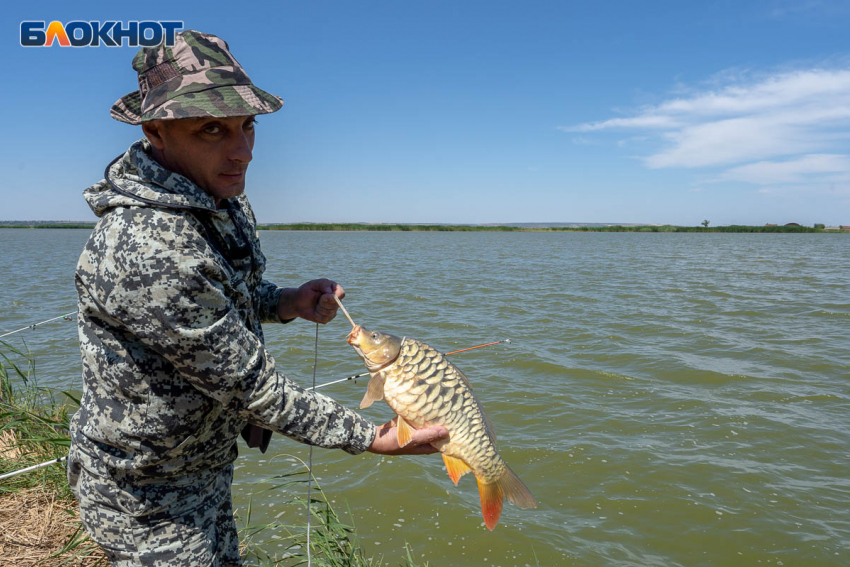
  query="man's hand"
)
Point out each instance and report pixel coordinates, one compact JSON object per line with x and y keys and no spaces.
{"x":386,"y":440}
{"x":312,"y":301}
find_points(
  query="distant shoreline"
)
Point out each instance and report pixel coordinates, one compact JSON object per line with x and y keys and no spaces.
{"x":479,"y":228}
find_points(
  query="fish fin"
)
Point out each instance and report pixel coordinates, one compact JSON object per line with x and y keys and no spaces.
{"x":509,"y":486}
{"x":455,"y":467}
{"x":374,"y":391}
{"x":515,"y":491}
{"x":461,"y":375}
{"x":491,"y":502}
{"x":405,"y":432}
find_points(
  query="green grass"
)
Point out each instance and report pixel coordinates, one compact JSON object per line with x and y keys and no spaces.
{"x":34,"y":426}
{"x":38,"y":422}
{"x":333,"y":542}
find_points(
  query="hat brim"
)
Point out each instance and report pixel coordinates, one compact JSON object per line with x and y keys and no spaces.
{"x":128,"y":108}
{"x":219,"y":101}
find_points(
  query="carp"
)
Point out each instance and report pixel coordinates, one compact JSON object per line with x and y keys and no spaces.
{"x":424,"y":389}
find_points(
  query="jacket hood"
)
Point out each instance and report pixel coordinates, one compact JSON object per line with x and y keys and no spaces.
{"x":142,"y":182}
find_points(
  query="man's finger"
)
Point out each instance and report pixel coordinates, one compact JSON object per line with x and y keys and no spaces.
{"x":327,"y":301}
{"x":325,"y":285}
{"x":429,"y":435}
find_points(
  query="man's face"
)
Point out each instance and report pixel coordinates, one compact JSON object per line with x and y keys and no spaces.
{"x":212,"y":152}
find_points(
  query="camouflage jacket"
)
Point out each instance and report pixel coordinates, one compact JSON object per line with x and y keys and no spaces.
{"x":171,"y":298}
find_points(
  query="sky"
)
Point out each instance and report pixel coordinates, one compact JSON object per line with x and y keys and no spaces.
{"x":474,"y":112}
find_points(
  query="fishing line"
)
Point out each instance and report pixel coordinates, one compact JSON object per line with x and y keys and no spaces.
{"x":364,"y":374}
{"x":310,"y":459}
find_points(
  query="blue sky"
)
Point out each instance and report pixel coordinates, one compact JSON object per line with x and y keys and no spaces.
{"x":475,"y":112}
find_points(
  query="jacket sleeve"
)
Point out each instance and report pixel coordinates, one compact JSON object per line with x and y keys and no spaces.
{"x":177,"y":302}
{"x":266,"y":297}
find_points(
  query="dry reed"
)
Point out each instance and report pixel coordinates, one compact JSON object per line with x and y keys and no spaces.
{"x":35,"y":526}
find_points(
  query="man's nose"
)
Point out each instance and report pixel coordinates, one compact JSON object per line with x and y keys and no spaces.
{"x":240,"y":147}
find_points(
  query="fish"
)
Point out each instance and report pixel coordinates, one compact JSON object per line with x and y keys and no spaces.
{"x":424,"y":389}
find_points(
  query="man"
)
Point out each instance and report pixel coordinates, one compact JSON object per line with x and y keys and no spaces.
{"x":171,"y":301}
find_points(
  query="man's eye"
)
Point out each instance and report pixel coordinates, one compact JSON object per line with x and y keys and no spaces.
{"x":212,"y":129}
{"x":249,"y":125}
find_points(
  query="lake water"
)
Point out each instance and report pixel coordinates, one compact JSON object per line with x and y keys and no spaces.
{"x":670,"y":399}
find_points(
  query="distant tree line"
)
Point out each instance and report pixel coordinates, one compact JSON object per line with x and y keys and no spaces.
{"x":392,"y":227}
{"x":476,"y":228}
{"x":482,"y":228}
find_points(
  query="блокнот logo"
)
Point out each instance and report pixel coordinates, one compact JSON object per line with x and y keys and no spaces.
{"x":78,"y":33}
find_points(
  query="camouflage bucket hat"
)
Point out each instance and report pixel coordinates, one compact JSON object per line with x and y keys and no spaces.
{"x":197,"y":77}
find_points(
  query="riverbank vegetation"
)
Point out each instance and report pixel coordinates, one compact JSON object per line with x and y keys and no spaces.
{"x":490,"y":228}
{"x":512,"y":228}
{"x":88,"y":225}
{"x":39,"y":522}
{"x":38,"y":518}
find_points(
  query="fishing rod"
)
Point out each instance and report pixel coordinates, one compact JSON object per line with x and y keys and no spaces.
{"x":346,"y":379}
{"x":32,"y":468}
{"x":66,"y":316}
{"x":363,"y":374}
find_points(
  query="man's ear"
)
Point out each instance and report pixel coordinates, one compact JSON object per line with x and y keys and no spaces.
{"x":153,"y":131}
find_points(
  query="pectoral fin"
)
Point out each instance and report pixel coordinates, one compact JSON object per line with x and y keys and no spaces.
{"x":374,"y":391}
{"x":455,"y":467}
{"x":405,"y":432}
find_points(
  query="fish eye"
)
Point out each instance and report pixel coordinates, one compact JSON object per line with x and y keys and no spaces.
{"x":374,"y":336}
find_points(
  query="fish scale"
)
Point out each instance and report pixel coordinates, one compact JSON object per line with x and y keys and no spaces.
{"x":425,"y":389}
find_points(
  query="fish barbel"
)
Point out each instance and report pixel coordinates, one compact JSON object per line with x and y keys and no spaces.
{"x":425,"y":390}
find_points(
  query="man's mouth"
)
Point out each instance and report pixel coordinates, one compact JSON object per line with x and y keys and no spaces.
{"x":233,"y":176}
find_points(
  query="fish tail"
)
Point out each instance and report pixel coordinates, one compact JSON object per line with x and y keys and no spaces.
{"x":509,"y":486}
{"x":491,"y":502}
{"x":515,"y":490}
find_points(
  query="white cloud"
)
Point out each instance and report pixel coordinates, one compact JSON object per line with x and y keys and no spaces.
{"x":767,"y":94}
{"x":798,"y":117}
{"x":644,"y":121}
{"x":821,"y":167}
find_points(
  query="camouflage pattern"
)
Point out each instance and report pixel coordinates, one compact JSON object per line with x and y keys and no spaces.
{"x":197,"y":77}
{"x":171,"y":301}
{"x":183,"y":524}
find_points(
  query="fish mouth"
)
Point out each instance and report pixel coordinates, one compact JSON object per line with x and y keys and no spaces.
{"x":353,"y":337}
